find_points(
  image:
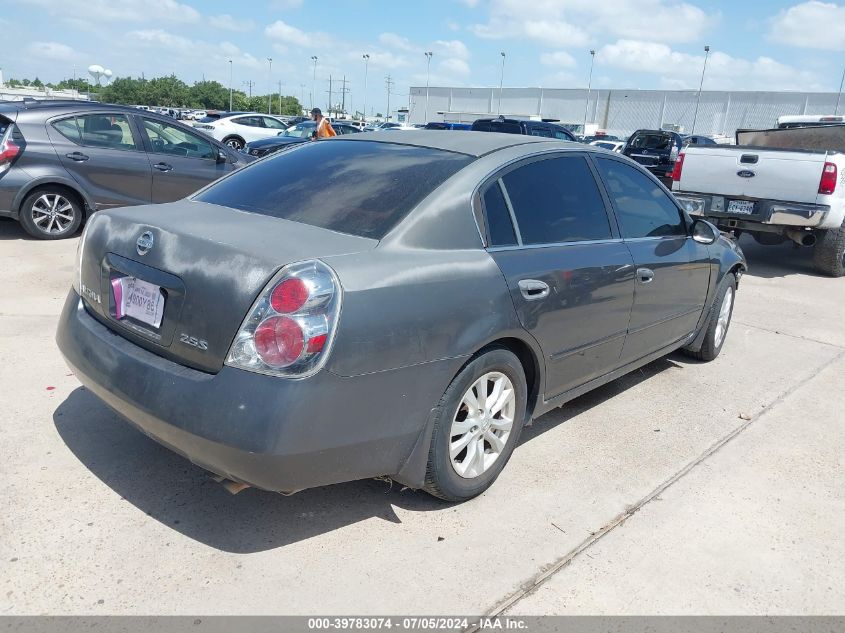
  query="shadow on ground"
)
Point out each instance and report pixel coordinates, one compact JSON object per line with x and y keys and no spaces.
{"x":182,"y":496}
{"x":769,"y":262}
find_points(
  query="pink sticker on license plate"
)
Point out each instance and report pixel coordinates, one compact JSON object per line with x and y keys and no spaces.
{"x":138,"y":299}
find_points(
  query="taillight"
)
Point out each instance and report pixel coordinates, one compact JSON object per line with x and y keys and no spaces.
{"x":290,"y":328}
{"x":678,"y":168}
{"x":9,"y":151}
{"x":827,"y":185}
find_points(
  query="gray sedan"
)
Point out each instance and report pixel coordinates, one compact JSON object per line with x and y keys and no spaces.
{"x":377,"y":305}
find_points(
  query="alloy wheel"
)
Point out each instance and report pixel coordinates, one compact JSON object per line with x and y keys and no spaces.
{"x":234,"y":143}
{"x":482,"y":424}
{"x":52,"y":213}
{"x":724,"y":317}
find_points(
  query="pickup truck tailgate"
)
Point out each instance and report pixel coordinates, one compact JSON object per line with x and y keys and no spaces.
{"x":747,"y":172}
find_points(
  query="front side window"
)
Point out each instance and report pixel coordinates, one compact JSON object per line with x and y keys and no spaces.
{"x":562,"y":136}
{"x":557,"y":200}
{"x":174,"y":141}
{"x":109,"y":131}
{"x":643,"y":208}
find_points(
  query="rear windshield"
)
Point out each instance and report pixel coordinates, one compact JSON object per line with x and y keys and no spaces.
{"x":497,"y":126}
{"x":362,"y":188}
{"x":4,"y":125}
{"x":652,"y":141}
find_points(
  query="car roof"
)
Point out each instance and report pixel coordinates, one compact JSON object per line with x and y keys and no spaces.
{"x":466,"y":142}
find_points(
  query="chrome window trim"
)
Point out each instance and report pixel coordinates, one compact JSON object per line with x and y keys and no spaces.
{"x":512,"y":215}
{"x":614,"y":240}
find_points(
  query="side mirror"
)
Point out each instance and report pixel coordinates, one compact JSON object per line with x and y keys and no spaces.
{"x":222,"y":157}
{"x":704,"y":232}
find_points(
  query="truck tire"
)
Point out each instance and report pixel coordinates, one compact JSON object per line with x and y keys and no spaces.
{"x":829,"y":252}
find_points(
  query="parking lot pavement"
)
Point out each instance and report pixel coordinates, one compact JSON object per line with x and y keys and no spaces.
{"x":100,"y":519}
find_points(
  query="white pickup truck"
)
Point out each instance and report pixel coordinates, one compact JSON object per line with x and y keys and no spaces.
{"x":777,"y":185}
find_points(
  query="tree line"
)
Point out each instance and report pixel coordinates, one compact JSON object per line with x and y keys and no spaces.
{"x":172,"y":92}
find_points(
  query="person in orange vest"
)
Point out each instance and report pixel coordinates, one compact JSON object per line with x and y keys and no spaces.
{"x":324,"y":128}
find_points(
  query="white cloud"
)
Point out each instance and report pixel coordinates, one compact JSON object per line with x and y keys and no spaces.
{"x":559,"y":59}
{"x":380,"y":59}
{"x":683,"y":70}
{"x":392,"y":40}
{"x":451,"y":48}
{"x":97,"y":11}
{"x":454,"y":67}
{"x":195,"y":52}
{"x":577,"y":22}
{"x":819,"y":25}
{"x":226,"y":22}
{"x":286,"y":4}
{"x":52,"y":50}
{"x":284,"y":32}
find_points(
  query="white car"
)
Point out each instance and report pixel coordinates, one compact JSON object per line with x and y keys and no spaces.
{"x":613,"y":146}
{"x":236,"y":129}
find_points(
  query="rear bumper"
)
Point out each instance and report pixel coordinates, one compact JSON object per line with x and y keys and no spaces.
{"x":276,"y":434}
{"x":771,"y":212}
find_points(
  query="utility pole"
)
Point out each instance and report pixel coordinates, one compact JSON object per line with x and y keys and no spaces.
{"x":366,"y":65}
{"x":270,"y":86}
{"x":839,"y":96}
{"x":343,"y":92}
{"x":698,"y":100}
{"x":249,"y":83}
{"x":589,"y":87}
{"x":301,"y":96}
{"x":280,"y":96}
{"x":330,"y":97}
{"x":230,"y":85}
{"x":388,"y":82}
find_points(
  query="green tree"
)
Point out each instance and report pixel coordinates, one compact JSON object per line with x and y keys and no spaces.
{"x":210,"y":95}
{"x":37,"y":83}
{"x":124,"y":90}
{"x":166,"y":91}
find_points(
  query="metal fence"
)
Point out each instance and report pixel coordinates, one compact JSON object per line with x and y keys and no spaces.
{"x":620,"y":112}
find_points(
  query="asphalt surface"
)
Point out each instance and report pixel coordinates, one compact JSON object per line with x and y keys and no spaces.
{"x":653,"y":494}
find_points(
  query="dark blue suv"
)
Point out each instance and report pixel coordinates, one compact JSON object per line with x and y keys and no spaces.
{"x":545,"y":128}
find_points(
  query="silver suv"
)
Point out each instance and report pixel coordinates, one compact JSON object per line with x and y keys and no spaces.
{"x":61,"y":160}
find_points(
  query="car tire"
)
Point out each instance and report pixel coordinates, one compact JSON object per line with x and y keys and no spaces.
{"x":235,"y":142}
{"x":51,"y":213}
{"x":829,"y":252}
{"x":718,"y":321}
{"x":483,"y":439}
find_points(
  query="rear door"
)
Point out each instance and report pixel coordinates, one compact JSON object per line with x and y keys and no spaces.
{"x":673,"y":270}
{"x":182,"y":161}
{"x":103,"y":153}
{"x":570,"y":275}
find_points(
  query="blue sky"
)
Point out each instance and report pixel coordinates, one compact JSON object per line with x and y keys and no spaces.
{"x":772,"y":44}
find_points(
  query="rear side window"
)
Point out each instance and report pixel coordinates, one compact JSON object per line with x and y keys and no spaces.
{"x":541,"y":131}
{"x":643,"y":208}
{"x":499,"y":224}
{"x":497,"y":126}
{"x":358,"y":187}
{"x":109,"y":131}
{"x":557,"y":200}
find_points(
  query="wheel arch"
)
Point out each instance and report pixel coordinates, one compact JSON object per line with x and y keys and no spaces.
{"x":56,"y":181}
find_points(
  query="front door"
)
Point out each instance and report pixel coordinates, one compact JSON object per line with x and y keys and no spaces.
{"x":672,"y":270}
{"x":570,"y":276}
{"x":182,"y":161}
{"x":103,"y":154}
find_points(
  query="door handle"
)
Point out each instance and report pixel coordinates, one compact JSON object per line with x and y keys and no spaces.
{"x":79,"y":157}
{"x":163,"y":166}
{"x":645,"y":275}
{"x":533,"y":289}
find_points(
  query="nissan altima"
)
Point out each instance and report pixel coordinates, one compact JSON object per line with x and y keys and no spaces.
{"x":386,"y":306}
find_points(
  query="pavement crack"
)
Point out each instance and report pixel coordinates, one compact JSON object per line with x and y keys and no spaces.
{"x":795,"y":336}
{"x":533,"y":584}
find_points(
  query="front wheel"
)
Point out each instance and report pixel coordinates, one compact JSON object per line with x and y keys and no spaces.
{"x":718,"y":322}
{"x":829,"y":252}
{"x":477,"y":425}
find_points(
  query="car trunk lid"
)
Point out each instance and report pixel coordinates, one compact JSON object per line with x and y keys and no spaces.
{"x":210,"y":262}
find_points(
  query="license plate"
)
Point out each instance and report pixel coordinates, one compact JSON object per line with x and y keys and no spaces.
{"x":745,"y":207}
{"x":138,"y":299}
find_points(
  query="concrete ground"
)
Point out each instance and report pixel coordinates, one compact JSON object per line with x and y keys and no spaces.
{"x":650,"y":495}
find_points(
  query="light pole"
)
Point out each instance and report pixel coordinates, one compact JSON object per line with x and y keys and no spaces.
{"x":270,"y":86}
{"x":501,"y":83}
{"x":700,"y":85}
{"x":428,"y":56}
{"x":280,"y":96}
{"x":313,"y":80}
{"x":366,"y":59}
{"x":838,"y":96}
{"x":230,"y":85}
{"x":589,"y":88}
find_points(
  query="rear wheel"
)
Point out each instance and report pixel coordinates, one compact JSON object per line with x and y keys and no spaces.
{"x":718,"y":322}
{"x":477,"y":425}
{"x":235,"y":142}
{"x":51,"y":213}
{"x":829,"y":252}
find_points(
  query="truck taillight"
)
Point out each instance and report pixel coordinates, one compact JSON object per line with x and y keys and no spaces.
{"x":678,"y":168}
{"x":290,"y":328}
{"x":827,"y":185}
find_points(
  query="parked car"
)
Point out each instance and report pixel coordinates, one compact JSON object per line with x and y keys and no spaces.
{"x":403,"y":314}
{"x":544,"y":128}
{"x":698,"y":139}
{"x":612,"y":146}
{"x":238,"y":129}
{"x":775,"y":185}
{"x":656,"y":150}
{"x":443,"y":125}
{"x":62,"y":160}
{"x":598,"y":137}
{"x":299,"y":133}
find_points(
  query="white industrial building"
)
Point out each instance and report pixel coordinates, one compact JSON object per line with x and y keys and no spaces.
{"x":620,"y":112}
